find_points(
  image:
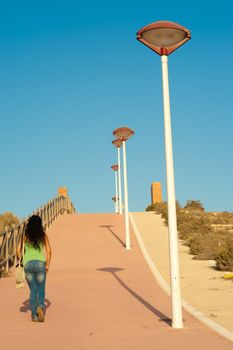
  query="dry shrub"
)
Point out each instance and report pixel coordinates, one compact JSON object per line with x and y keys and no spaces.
{"x":207,"y":247}
{"x":194,"y":205}
{"x":223,"y":218}
{"x":161,"y":208}
{"x":8,"y":220}
{"x":195,"y":227}
{"x":191,"y":225}
{"x":224,"y":260}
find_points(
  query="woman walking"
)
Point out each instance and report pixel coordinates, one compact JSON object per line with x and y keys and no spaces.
{"x":36,"y":261}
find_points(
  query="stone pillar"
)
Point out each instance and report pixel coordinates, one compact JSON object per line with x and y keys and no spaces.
{"x":156,"y":192}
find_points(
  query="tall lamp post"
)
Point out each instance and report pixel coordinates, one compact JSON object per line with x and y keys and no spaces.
{"x":114,"y":199}
{"x":123,"y":134}
{"x":164,"y":37}
{"x":117,"y":143}
{"x":115,"y":169}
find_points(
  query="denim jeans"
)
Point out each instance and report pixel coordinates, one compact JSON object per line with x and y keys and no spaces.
{"x":35,"y":274}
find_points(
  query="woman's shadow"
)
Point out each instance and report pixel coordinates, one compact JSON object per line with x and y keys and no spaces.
{"x":25,"y":307}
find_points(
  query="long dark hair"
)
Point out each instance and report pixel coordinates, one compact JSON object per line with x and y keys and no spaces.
{"x":34,"y":231}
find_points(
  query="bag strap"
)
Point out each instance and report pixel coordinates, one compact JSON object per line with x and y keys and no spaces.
{"x":20,"y":259}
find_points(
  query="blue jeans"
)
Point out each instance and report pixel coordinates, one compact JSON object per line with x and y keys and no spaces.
{"x":35,"y":274}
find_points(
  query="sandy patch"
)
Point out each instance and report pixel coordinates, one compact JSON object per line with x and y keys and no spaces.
{"x":201,"y":285}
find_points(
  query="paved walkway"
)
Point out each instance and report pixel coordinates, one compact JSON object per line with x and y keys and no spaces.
{"x":99,"y":296}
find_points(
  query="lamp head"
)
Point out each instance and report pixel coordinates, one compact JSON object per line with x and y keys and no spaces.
{"x":163,"y":37}
{"x":123,"y":133}
{"x":117,"y":143}
{"x":114,"y":167}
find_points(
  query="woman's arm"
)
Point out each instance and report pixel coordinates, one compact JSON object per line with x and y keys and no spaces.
{"x":48,"y":252}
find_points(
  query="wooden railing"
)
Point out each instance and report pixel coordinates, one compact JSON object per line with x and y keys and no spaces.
{"x":12,"y":237}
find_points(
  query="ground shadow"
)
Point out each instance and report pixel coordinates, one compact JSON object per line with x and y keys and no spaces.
{"x":26,"y":306}
{"x":108,"y":227}
{"x":113,"y":271}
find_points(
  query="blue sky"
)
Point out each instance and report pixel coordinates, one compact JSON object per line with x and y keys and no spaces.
{"x":71,"y":72}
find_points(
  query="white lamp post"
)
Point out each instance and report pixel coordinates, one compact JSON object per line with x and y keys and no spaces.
{"x":165,"y":37}
{"x":115,"y":169}
{"x":117,"y":143}
{"x":123,"y":134}
{"x":114,"y":200}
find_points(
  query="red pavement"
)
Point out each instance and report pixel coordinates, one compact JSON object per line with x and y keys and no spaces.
{"x":99,"y":296}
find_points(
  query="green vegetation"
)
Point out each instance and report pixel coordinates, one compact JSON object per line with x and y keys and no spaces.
{"x":8,"y":219}
{"x":209,"y":235}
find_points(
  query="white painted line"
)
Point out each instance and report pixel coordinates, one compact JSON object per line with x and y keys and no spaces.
{"x":163,"y":284}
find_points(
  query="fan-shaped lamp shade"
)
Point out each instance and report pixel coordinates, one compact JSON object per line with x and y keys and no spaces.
{"x":117,"y":143}
{"x":114,"y":167}
{"x":123,"y":133}
{"x":163,"y":37}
